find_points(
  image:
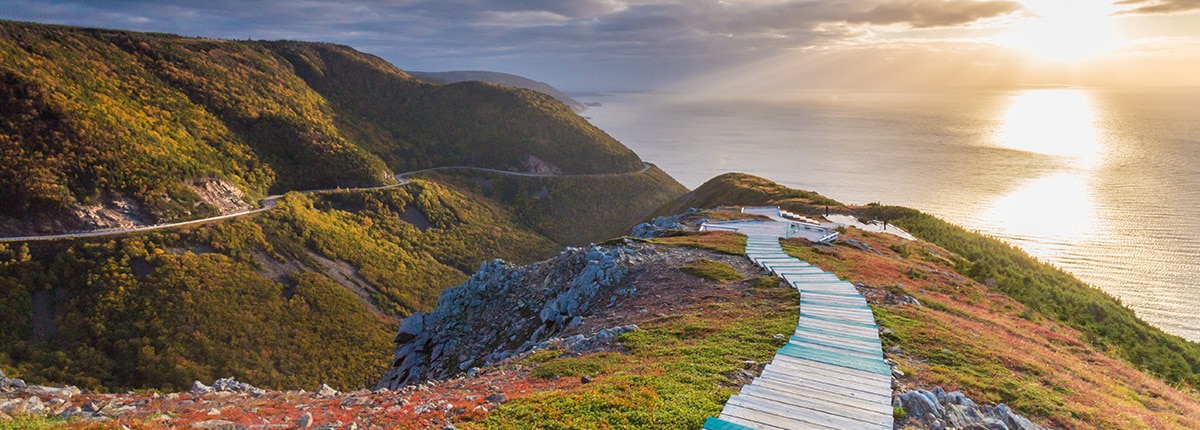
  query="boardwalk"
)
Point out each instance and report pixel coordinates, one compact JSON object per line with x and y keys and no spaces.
{"x":778,"y":226}
{"x":830,"y":374}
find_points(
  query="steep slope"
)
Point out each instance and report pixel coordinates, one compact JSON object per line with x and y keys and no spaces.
{"x":105,"y":128}
{"x":469,"y":123}
{"x":573,"y":210}
{"x":289,"y":298}
{"x":500,"y":79}
{"x":740,"y":189}
{"x":1105,"y":323}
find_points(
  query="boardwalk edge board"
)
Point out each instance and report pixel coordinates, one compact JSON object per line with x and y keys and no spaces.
{"x":830,"y":374}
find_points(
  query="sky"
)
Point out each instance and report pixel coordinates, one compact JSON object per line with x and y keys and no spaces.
{"x":714,"y":45}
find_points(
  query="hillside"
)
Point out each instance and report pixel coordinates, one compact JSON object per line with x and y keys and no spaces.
{"x":500,"y":79}
{"x":106,"y":128}
{"x":658,"y":333}
{"x":1105,"y":322}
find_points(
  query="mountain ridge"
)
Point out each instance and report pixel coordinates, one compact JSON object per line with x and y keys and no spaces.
{"x":104,"y":127}
{"x":450,"y":77}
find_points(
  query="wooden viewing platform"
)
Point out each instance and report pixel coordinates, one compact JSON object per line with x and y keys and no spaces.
{"x":830,"y":374}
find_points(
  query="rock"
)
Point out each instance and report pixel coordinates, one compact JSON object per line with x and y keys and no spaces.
{"x":585,"y":379}
{"x":199,"y":388}
{"x":93,"y":407}
{"x":897,"y":373}
{"x":496,"y":398}
{"x":895,"y":350}
{"x":920,"y":404}
{"x":218,"y":425}
{"x":910,"y":300}
{"x":449,"y":427}
{"x":326,"y":391}
{"x":304,"y":420}
{"x":71,"y":412}
{"x":940,"y":409}
{"x":885,"y":331}
{"x":232,"y":385}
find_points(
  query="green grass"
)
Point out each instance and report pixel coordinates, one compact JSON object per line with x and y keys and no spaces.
{"x":713,"y":270}
{"x":677,"y":371}
{"x":93,"y":113}
{"x":162,"y":309}
{"x":26,"y":422}
{"x":967,"y":362}
{"x":740,"y":189}
{"x":719,"y":241}
{"x":1105,"y":322}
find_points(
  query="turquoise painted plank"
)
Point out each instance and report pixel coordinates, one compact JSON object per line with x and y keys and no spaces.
{"x":869,"y":351}
{"x":828,"y":293}
{"x":720,"y":424}
{"x":866,"y":365}
{"x":839,"y":321}
{"x":817,"y":302}
{"x":833,"y":333}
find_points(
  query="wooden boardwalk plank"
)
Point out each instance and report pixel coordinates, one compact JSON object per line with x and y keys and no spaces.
{"x":830,"y":374}
{"x":869,"y":349}
{"x":859,"y":341}
{"x":803,"y":392}
{"x":832,"y":388}
{"x":837,"y":359}
{"x":780,"y":409}
{"x":830,"y":406}
{"x":720,"y":424}
{"x":841,"y":375}
{"x":738,"y":413}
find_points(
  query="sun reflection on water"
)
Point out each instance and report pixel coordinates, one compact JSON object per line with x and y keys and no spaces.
{"x":1057,"y":122}
{"x":1048,"y":213}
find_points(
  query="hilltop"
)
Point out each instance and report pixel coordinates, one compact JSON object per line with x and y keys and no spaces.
{"x":400,"y":289}
{"x":500,"y":79}
{"x":659,"y":332}
{"x":106,"y":128}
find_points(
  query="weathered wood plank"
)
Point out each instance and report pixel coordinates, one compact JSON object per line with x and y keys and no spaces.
{"x":739,"y":413}
{"x":870,"y":351}
{"x":802,"y":391}
{"x":822,"y":405}
{"x":866,"y":394}
{"x":774,"y":407}
{"x":834,"y":374}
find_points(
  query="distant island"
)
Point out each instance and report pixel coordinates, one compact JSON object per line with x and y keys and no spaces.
{"x":500,"y":79}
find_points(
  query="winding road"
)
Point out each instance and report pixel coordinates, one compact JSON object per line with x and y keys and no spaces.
{"x":271,"y":201}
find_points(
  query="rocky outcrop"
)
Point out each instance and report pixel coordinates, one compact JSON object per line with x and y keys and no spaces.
{"x":660,"y":226}
{"x":505,"y":310}
{"x":221,"y":194}
{"x":939,"y":410}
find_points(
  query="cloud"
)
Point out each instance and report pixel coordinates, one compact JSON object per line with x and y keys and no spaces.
{"x":1150,"y":7}
{"x":626,"y":39}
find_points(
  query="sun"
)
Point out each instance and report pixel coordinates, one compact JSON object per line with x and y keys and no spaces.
{"x":1063,"y":30}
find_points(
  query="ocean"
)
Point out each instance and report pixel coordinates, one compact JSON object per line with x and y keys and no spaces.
{"x":1104,"y":184}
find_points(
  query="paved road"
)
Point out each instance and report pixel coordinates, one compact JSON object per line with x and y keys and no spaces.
{"x":271,"y":201}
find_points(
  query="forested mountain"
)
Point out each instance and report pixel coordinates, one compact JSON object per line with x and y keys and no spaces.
{"x":501,"y":79}
{"x":102,"y":127}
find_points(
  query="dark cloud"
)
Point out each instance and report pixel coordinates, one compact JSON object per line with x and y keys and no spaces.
{"x":1150,"y":7}
{"x":638,"y":42}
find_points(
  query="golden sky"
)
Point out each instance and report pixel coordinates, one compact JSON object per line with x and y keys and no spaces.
{"x":640,"y":44}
